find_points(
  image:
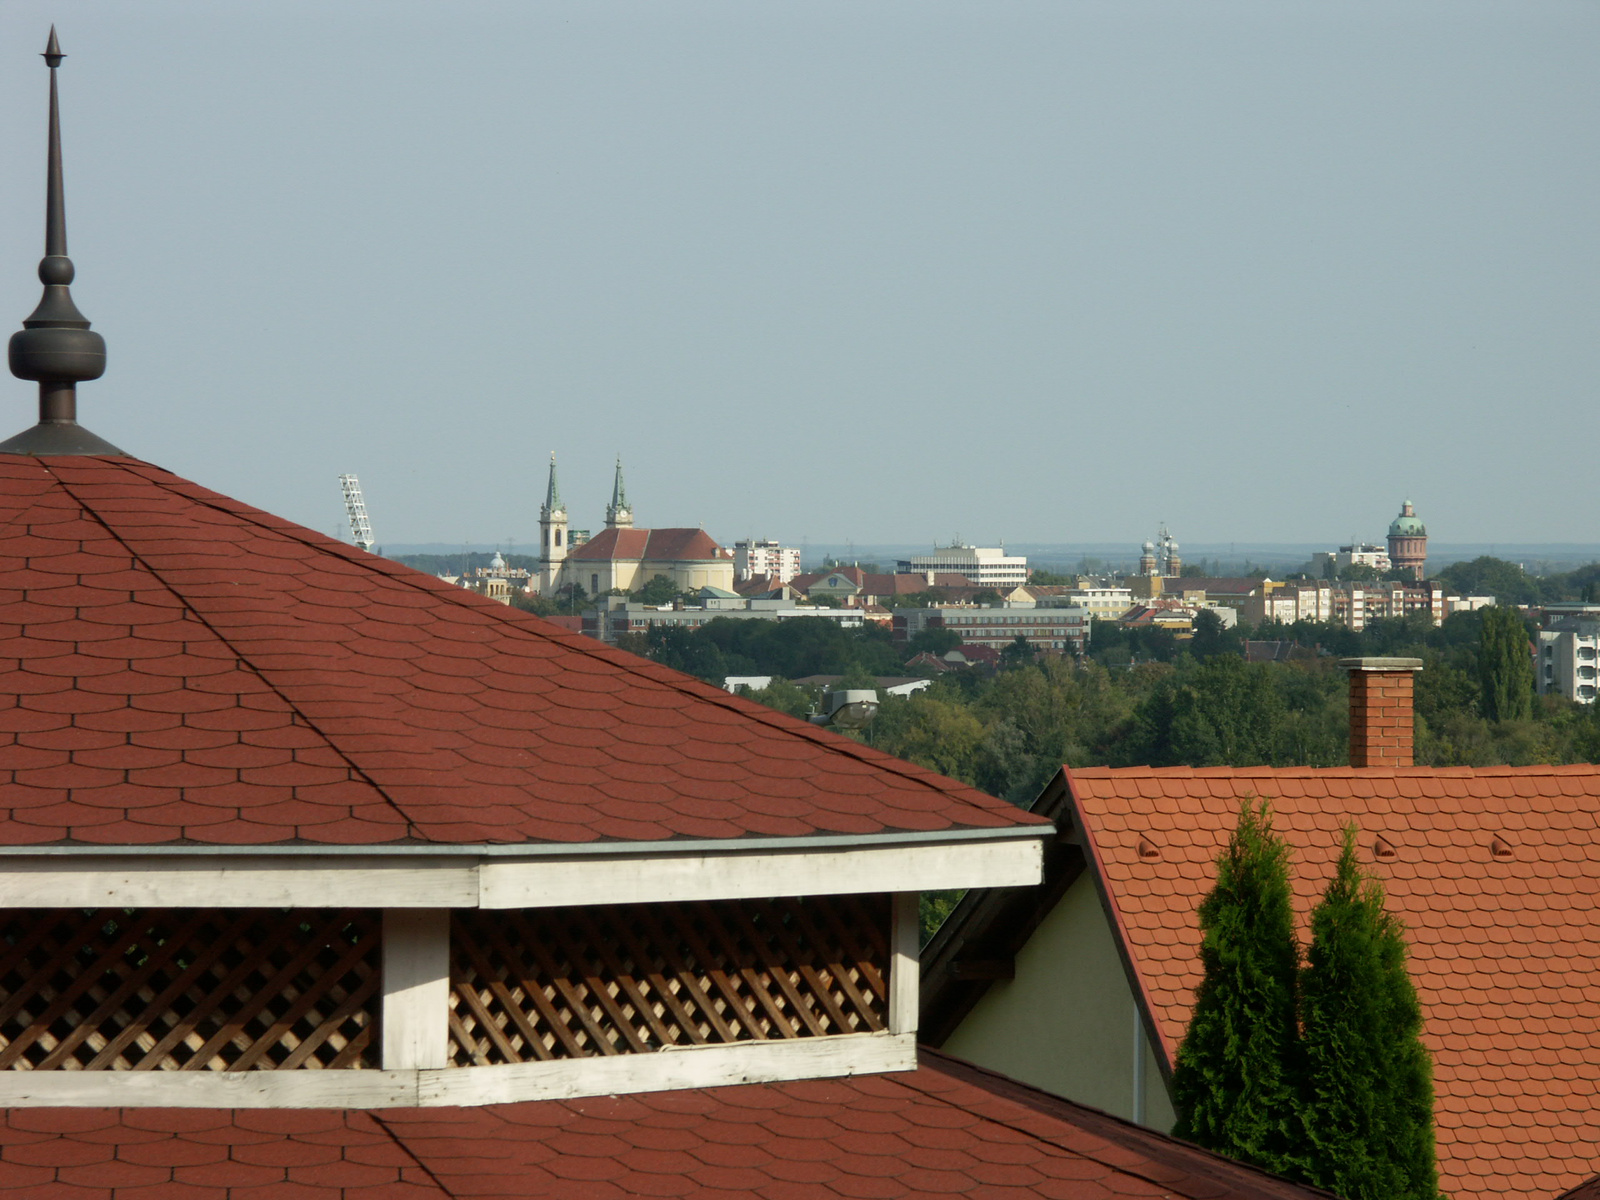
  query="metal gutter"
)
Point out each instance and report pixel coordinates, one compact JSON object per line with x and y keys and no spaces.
{"x":842,"y":841}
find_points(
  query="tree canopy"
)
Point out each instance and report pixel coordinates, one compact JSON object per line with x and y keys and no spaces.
{"x":1144,"y":696}
{"x":657,"y":590}
{"x":1505,"y":666}
{"x":1367,"y":1099}
{"x":1235,"y":1083}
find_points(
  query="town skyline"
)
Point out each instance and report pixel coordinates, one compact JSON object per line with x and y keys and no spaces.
{"x":835,"y":272}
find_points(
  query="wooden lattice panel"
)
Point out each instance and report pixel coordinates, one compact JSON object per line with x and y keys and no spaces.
{"x":175,"y":989}
{"x":540,"y":984}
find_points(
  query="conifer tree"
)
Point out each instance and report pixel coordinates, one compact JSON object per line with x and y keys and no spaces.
{"x":1235,"y":1081}
{"x":1505,"y":668}
{"x":1368,"y":1091}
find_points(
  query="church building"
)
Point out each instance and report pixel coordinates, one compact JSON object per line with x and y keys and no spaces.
{"x":621,"y":557}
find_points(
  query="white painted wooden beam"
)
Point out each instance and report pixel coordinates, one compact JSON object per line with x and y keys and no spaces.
{"x":692,"y":1067}
{"x":416,"y":988}
{"x":265,"y":882}
{"x":501,"y":881}
{"x":904,"y":974}
{"x":545,"y":882}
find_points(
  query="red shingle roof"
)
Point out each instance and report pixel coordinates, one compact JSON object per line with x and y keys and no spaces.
{"x":205,"y":1154}
{"x":648,"y":545}
{"x":178,"y":666}
{"x":1496,"y":874}
{"x":946,"y":1129}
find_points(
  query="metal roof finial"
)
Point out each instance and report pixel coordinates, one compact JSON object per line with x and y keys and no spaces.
{"x":55,"y":345}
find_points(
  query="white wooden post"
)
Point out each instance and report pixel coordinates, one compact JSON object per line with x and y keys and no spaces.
{"x":416,"y":987}
{"x":904,"y":970}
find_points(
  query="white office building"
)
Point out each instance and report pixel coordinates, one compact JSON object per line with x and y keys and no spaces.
{"x":984,"y":566}
{"x":1569,"y":658}
{"x":1041,"y":628}
{"x":753,"y":557}
{"x":1359,"y":554}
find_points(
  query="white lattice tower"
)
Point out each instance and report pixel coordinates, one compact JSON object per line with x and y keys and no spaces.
{"x":360,"y":526}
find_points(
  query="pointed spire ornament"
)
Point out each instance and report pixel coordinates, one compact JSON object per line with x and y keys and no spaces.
{"x":552,"y":495}
{"x":619,"y":515}
{"x":55,"y":346}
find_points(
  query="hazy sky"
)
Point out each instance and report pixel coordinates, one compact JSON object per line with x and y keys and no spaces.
{"x":882,"y":271}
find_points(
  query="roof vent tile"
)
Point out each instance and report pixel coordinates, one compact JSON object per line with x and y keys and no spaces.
{"x":1148,"y":851}
{"x":1382,"y":849}
{"x":1500,"y":850}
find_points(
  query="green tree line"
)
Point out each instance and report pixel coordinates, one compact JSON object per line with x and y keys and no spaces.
{"x":1145,"y":697}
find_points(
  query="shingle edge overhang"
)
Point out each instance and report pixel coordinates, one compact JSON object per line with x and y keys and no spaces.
{"x":517,"y":875}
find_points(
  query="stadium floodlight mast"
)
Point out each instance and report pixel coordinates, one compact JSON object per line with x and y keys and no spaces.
{"x":360,"y":526}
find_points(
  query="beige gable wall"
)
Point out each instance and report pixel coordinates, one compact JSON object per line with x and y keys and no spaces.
{"x":1067,"y":1022}
{"x":631,"y":574}
{"x":690,"y":575}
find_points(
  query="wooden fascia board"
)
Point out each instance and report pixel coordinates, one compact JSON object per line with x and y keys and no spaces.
{"x":1153,"y":1032}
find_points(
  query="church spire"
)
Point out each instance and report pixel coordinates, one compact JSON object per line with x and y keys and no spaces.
{"x":55,"y":346}
{"x":619,"y":514}
{"x":552,"y":493}
{"x":619,"y":490}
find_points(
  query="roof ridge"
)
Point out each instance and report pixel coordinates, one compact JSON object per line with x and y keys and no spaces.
{"x":1343,"y":770}
{"x":640,"y":667}
{"x":183,"y":602}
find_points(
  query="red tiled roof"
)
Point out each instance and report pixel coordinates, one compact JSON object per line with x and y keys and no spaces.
{"x":178,"y":666}
{"x":946,"y":1129}
{"x":648,"y":545}
{"x":611,"y":544}
{"x":1496,"y":874}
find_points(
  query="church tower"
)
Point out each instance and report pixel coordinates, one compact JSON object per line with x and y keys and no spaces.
{"x":619,"y":513}
{"x":552,"y":533}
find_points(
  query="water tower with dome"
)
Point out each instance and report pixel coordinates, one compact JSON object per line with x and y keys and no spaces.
{"x":1408,"y":542}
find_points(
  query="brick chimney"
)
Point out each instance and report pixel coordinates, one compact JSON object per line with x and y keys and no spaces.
{"x":1380,"y":710}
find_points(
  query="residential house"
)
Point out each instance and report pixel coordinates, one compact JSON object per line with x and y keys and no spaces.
{"x":1495,"y":872}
